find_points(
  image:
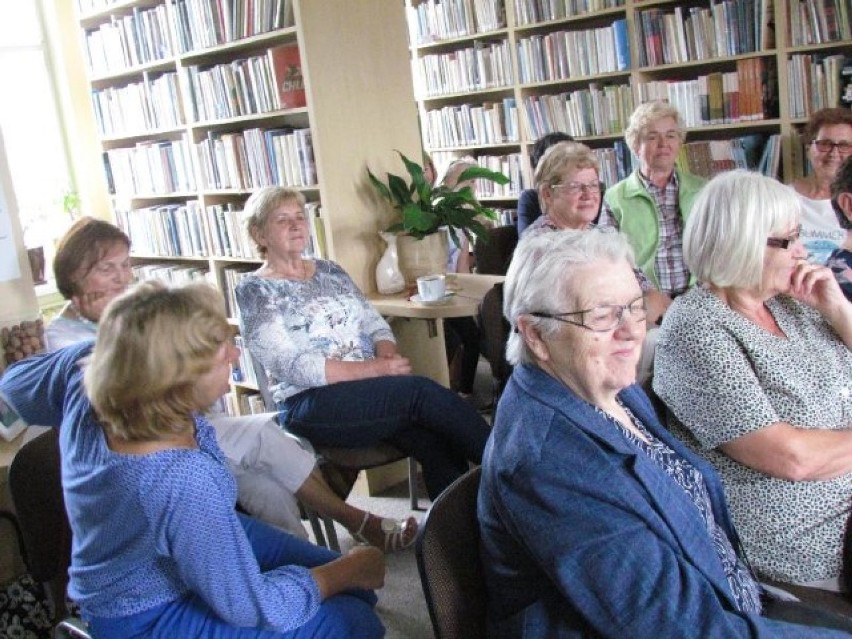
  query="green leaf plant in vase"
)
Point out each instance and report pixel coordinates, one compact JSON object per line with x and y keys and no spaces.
{"x":430,"y":214}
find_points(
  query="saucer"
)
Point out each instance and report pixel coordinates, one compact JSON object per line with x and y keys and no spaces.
{"x":438,"y":302}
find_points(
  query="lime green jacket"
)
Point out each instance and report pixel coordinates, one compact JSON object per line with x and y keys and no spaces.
{"x":636,"y":215}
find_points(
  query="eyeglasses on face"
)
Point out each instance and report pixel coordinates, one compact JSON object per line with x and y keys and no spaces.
{"x":656,"y":138}
{"x":784,"y":242}
{"x":573,"y":188}
{"x":603,"y":318}
{"x":844,"y":147}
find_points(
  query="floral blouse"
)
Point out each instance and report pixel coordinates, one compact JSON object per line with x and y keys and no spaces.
{"x":291,"y":327}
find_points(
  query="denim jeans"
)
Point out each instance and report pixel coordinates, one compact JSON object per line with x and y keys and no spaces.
{"x":419,"y":416}
{"x":348,"y":615}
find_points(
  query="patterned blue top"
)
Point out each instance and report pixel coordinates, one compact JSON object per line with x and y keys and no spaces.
{"x":185,"y":536}
{"x":743,"y":586}
{"x":292,"y":326}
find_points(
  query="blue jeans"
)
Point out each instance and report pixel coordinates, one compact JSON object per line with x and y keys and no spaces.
{"x":419,"y":416}
{"x":348,"y":615}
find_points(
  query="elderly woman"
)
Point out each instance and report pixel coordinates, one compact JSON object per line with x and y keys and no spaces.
{"x":840,"y":260}
{"x":332,"y":361}
{"x":829,"y":142}
{"x":157,"y":547}
{"x":567,"y":181}
{"x":529,"y":206}
{"x":756,"y":369}
{"x":651,"y":205}
{"x":595,"y":521}
{"x":92,"y":266}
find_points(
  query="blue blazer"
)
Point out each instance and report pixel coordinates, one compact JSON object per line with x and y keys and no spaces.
{"x":583,"y":536}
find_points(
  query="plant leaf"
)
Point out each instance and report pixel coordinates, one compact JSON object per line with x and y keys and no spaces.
{"x":379,"y":186}
{"x":481,"y":173}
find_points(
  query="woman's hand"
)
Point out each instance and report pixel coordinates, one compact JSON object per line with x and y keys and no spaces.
{"x":362,"y":567}
{"x":392,"y":365}
{"x":817,"y":287}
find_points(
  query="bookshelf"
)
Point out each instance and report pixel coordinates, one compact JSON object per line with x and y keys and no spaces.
{"x":191,"y":122}
{"x":492,"y":76}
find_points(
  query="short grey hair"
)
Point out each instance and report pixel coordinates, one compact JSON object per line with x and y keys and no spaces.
{"x":646,"y":114}
{"x":559,"y":158}
{"x":724,"y":241}
{"x":262,"y":204}
{"x":539,"y":277}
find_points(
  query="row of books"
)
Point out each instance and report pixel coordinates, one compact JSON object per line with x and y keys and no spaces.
{"x":510,"y":165}
{"x":471,"y":124}
{"x":564,"y":55}
{"x":534,"y":11}
{"x":815,"y":82}
{"x":236,"y":404}
{"x":171,"y":274}
{"x":727,"y":28}
{"x":138,"y":107}
{"x":246,"y":86}
{"x":616,"y":162}
{"x":819,"y":21}
{"x":256,"y":158}
{"x":151,"y":168}
{"x":231,"y":277}
{"x":486,"y":65}
{"x":208,"y":23}
{"x":217,"y":230}
{"x":710,"y":157}
{"x":435,"y":20}
{"x":587,"y":112}
{"x":87,"y":7}
{"x":719,"y":97}
{"x":128,"y":41}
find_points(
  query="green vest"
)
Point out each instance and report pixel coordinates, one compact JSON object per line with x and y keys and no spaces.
{"x":642,"y":224}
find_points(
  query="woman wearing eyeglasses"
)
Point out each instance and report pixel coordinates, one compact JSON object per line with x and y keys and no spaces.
{"x":569,"y":192}
{"x":829,"y":132}
{"x":756,"y":369}
{"x":595,"y":520}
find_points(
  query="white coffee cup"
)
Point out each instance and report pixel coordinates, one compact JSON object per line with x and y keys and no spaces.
{"x":431,"y":287}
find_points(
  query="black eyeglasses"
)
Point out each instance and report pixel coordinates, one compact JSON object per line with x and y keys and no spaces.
{"x":603,"y":318}
{"x":784,"y":242}
{"x":827,"y":146}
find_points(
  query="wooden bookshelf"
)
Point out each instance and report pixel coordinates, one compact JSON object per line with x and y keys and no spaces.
{"x":360,"y":108}
{"x":584,"y":73}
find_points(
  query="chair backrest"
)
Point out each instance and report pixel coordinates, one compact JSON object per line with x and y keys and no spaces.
{"x":447,"y":552}
{"x":493,"y":257}
{"x":36,"y":488}
{"x":495,"y":334}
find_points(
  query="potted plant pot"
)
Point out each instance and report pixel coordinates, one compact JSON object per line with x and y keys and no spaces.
{"x":418,"y":257}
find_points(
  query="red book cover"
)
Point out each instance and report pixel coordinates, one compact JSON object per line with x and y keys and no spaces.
{"x":287,"y":70}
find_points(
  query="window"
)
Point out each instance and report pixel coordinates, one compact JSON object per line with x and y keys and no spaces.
{"x":29,"y":117}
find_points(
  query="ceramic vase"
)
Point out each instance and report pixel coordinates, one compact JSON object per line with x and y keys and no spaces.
{"x":389,"y":278}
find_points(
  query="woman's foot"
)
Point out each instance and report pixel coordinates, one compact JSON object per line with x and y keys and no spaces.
{"x":386,"y":534}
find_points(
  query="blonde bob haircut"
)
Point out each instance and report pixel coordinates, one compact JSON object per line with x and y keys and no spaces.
{"x":153,"y":344}
{"x":645,"y":115}
{"x":264,"y":203}
{"x":559,"y":158}
{"x":540,"y":278}
{"x":724,"y":241}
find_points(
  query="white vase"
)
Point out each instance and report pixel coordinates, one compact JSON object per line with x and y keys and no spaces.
{"x":389,"y":278}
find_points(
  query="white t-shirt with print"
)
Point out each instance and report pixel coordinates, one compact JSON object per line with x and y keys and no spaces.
{"x":821,"y":231}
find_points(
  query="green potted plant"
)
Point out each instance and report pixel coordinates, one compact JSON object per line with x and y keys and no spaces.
{"x":427,"y":210}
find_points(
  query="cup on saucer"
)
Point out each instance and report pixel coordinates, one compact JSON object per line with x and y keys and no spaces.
{"x":431,"y":288}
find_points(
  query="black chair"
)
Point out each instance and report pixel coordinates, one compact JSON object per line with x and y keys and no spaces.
{"x":340,"y":467}
{"x":447,"y":550}
{"x":495,"y":334}
{"x":36,"y":488}
{"x":494,"y":256}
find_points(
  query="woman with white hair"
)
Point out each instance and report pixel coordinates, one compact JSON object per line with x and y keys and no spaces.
{"x":595,"y":520}
{"x":756,"y":369}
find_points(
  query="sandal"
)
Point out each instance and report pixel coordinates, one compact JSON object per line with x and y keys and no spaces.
{"x":394,"y":531}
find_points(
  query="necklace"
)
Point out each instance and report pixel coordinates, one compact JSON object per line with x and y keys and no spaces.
{"x":79,"y":316}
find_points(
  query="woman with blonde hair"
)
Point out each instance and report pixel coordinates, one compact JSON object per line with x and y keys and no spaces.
{"x":157,"y":547}
{"x":332,"y":361}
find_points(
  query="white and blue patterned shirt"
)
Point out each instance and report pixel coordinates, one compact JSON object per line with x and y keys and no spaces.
{"x":291,"y":327}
